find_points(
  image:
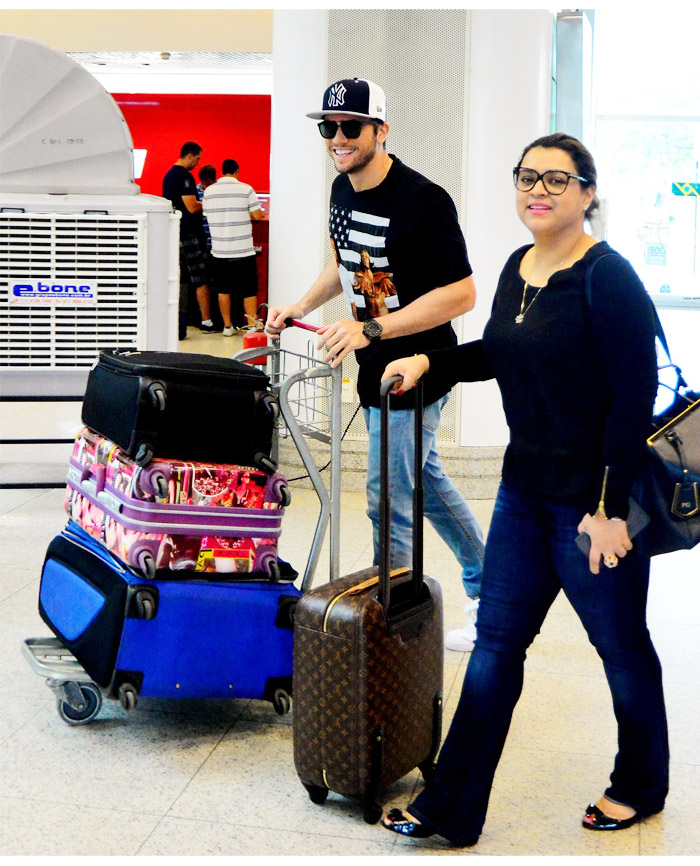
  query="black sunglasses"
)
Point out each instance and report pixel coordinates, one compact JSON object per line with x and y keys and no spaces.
{"x":351,"y":128}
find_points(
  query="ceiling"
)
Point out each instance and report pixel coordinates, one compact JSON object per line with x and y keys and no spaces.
{"x":244,"y":63}
{"x":242,"y":72}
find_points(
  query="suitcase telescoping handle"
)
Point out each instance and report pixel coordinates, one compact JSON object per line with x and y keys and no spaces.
{"x":384,"y":595}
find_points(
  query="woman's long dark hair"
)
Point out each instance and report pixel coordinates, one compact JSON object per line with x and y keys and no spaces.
{"x":580,"y":155}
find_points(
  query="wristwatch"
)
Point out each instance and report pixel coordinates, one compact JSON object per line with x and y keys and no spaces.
{"x":372,"y":330}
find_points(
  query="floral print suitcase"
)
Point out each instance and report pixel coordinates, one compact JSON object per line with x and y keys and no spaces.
{"x":174,"y":514}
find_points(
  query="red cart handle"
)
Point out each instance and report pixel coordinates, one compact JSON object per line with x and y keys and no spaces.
{"x":297,"y":323}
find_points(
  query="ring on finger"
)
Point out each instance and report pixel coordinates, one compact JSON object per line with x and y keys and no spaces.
{"x":610,"y":561}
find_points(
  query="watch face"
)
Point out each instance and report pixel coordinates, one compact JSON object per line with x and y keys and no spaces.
{"x":372,"y":329}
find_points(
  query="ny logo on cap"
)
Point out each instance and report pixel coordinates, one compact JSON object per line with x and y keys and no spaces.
{"x":336,"y":95}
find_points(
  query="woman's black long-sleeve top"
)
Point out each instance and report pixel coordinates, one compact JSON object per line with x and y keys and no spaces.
{"x":578,"y":378}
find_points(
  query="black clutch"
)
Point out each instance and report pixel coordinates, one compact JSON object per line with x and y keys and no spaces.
{"x":637,"y":520}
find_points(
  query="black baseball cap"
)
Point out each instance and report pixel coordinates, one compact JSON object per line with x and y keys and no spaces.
{"x":355,"y":96}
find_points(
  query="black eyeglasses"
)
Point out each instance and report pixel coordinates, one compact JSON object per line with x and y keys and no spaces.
{"x":351,"y":128}
{"x":555,"y":182}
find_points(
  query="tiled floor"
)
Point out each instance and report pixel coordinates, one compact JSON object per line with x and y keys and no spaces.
{"x":217,"y":777}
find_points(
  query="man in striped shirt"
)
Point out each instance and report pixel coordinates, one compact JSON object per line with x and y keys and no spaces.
{"x":229,"y":206}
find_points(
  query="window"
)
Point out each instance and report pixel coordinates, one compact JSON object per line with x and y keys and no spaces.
{"x":647,"y":145}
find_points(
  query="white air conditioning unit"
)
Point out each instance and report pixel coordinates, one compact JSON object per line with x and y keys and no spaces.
{"x":86,"y":261}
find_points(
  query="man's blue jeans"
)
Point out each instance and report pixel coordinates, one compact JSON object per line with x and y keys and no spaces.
{"x":530,"y":556}
{"x":445,"y":506}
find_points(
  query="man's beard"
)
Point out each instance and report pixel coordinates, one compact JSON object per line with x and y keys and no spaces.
{"x":357,"y":166}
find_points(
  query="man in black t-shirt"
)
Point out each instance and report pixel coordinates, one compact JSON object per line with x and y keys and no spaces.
{"x":179,"y":186}
{"x":401,"y":261}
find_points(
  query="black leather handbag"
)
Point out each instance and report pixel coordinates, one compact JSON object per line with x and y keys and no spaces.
{"x":669,"y":484}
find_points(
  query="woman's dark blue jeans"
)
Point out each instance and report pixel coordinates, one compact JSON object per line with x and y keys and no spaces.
{"x":530,"y":556}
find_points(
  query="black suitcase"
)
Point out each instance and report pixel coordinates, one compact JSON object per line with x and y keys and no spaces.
{"x":182,"y":406}
{"x":368,"y":663}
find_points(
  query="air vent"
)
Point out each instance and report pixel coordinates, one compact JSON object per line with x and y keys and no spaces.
{"x":106,"y":251}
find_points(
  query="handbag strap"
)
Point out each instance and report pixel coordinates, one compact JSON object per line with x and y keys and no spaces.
{"x":658,"y":327}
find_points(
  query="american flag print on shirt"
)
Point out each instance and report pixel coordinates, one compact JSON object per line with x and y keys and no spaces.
{"x":359,"y":243}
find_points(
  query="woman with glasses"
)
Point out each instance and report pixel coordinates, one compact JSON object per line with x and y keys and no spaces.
{"x":570,"y":342}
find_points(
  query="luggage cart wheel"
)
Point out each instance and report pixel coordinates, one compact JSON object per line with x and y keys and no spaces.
{"x":92,"y":703}
{"x":317,"y":794}
{"x":372,"y":813}
{"x":128,"y":696}
{"x":281,"y":702}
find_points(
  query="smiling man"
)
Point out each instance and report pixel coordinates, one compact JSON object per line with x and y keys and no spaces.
{"x":401,"y":261}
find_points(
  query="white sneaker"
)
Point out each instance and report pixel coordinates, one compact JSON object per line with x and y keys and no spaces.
{"x":461,"y":640}
{"x":229,"y":332}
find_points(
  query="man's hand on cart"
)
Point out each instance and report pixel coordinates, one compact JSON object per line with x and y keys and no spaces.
{"x":277,"y":316}
{"x":341,"y":338}
{"x":410,"y":369}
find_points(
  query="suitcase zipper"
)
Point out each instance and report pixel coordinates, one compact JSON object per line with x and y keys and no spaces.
{"x":94,"y":548}
{"x":358,"y":588}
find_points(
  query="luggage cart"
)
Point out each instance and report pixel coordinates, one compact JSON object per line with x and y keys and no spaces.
{"x":309,"y":392}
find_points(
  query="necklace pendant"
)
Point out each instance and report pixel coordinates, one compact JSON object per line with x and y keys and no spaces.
{"x":519,"y":318}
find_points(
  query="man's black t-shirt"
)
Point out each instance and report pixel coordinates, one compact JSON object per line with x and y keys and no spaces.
{"x":176,"y":183}
{"x":394,"y":243}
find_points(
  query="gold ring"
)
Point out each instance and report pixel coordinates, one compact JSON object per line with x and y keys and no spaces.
{"x":610,"y":560}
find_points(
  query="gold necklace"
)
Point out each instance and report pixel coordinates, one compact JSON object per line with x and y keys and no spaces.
{"x":523,"y":309}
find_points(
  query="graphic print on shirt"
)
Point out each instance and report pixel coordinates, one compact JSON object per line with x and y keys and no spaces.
{"x":359,"y":243}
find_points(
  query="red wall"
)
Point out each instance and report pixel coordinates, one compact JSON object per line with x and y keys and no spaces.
{"x":226,"y":127}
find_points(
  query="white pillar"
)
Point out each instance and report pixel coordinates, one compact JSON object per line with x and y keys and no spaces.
{"x":509,"y":106}
{"x":508,"y":90}
{"x":298,"y":206}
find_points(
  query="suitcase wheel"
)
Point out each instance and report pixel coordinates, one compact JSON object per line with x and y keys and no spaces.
{"x":147,"y":564}
{"x":427,"y":769}
{"x":282,"y":703}
{"x":145,"y":604}
{"x":162,"y":487}
{"x":277,"y":490}
{"x":92,"y":703}
{"x":153,"y":483}
{"x":144,"y":454}
{"x":271,"y":405}
{"x":128,"y":696}
{"x":275,"y":572}
{"x":264,"y":462}
{"x":156,"y":392}
{"x":372,"y":813}
{"x":317,"y":793}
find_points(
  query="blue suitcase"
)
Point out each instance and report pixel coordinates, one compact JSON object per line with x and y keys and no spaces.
{"x":167,"y":638}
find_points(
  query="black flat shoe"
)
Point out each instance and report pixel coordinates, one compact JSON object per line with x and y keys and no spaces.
{"x":595,"y":819}
{"x":396,"y":821}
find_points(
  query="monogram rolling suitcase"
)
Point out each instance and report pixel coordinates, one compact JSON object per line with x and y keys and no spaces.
{"x":163,"y":638}
{"x":176,"y":514}
{"x":368,"y":659}
{"x":182,"y":406}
